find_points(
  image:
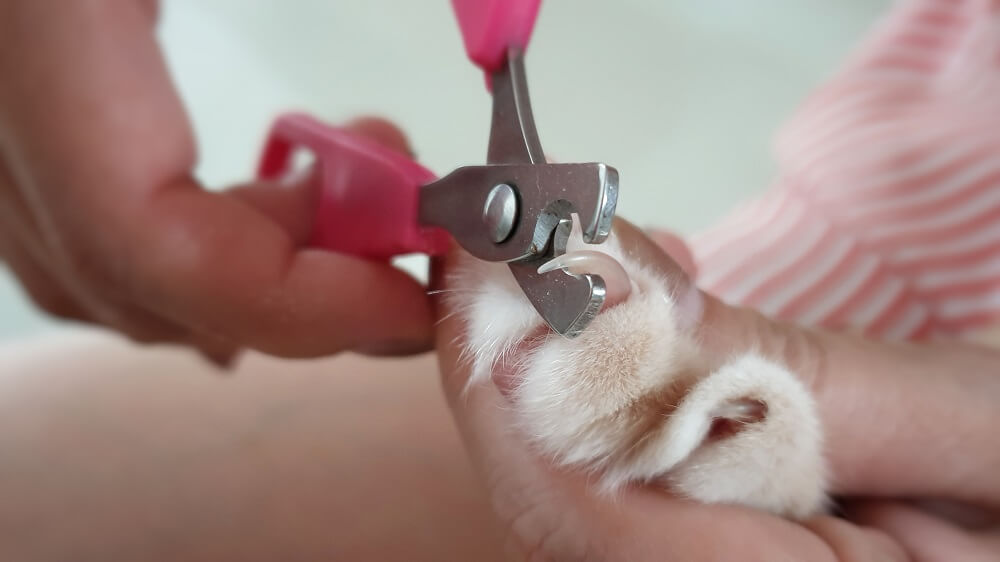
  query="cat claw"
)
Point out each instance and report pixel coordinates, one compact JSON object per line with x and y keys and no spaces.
{"x":617,"y":284}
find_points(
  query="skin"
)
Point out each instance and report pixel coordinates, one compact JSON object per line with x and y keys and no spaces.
{"x":102,"y":221}
{"x":113,"y":451}
{"x":901,"y":422}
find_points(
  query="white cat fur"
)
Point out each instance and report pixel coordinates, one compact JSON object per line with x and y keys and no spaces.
{"x":632,"y":397}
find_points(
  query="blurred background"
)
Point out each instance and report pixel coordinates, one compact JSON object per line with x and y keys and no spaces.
{"x":683,"y":97}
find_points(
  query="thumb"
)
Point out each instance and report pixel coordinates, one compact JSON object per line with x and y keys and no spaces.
{"x":900,"y":419}
{"x":922,"y":534}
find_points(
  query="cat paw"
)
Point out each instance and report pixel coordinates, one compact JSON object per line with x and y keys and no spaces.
{"x":634,"y":398}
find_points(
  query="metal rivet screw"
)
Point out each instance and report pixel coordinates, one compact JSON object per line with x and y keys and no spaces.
{"x":500,"y":211}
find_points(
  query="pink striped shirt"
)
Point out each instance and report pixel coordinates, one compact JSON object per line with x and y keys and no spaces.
{"x":885,"y":216}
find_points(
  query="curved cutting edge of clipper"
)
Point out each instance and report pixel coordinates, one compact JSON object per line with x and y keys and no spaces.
{"x":597,"y":298}
{"x":566,"y":301}
{"x":598,"y":227}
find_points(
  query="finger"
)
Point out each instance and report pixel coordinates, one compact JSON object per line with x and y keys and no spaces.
{"x":850,"y":542}
{"x":142,"y":327}
{"x":51,"y":296}
{"x":58,"y":293}
{"x":21,"y":248}
{"x":964,"y":515}
{"x":899,"y":419}
{"x":41,"y":288}
{"x":224,"y":269}
{"x":924,"y":536}
{"x":152,"y":8}
{"x":54,"y":290}
{"x":23,"y":252}
{"x":692,"y":531}
{"x":17,"y":218}
{"x":677,"y":249}
{"x":290,"y":204}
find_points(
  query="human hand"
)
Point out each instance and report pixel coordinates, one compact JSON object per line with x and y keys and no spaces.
{"x":901,"y":422}
{"x":103,"y":222}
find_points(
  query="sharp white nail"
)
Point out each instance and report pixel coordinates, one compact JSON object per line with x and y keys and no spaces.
{"x":616,"y":280}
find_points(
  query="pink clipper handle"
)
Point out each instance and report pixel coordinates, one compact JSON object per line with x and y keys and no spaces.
{"x":490,"y":27}
{"x":369,"y":194}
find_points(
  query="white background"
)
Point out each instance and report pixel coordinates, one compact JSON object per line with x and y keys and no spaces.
{"x":682,"y":96}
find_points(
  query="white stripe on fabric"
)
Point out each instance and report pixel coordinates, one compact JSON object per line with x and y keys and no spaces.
{"x":970,"y":305}
{"x":827,"y":265}
{"x":961,"y":180}
{"x":776,"y":230}
{"x":828,"y":303}
{"x":942,"y":278}
{"x":905,"y":326}
{"x":877,"y":304}
{"x":794,"y":251}
{"x":980,"y":240}
{"x":969,"y":209}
